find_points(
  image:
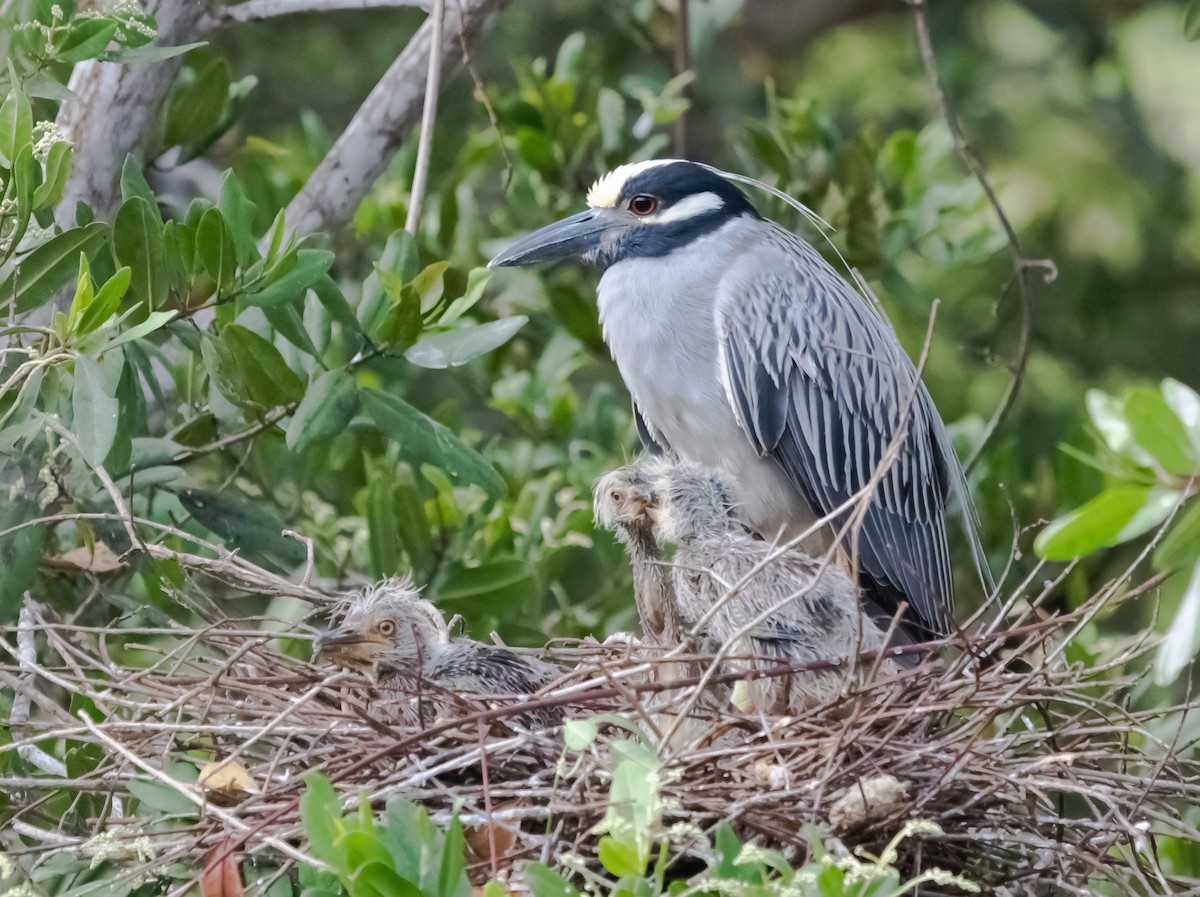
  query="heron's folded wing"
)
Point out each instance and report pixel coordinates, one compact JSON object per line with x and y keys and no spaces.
{"x":819,"y":383}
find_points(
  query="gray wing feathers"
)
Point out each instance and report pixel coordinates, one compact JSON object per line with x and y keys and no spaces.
{"x":819,"y":382}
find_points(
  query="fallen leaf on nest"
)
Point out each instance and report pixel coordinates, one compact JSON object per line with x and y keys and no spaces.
{"x":225,"y":782}
{"x":100,"y":559}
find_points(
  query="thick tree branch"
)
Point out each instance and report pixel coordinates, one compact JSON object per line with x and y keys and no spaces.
{"x":115,"y":110}
{"x":259,"y":10}
{"x":388,"y":114}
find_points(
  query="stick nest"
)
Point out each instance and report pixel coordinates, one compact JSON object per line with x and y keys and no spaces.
{"x":1040,"y":774}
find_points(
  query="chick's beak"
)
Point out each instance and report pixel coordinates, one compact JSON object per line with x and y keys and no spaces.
{"x":568,"y":238}
{"x":347,"y":647}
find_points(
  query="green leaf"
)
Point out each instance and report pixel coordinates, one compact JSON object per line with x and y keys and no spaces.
{"x":249,"y":525}
{"x":1185,"y":402}
{"x":154,"y":321}
{"x":579,"y":734}
{"x":1159,"y":431}
{"x":1191,"y":21}
{"x":268,"y":380}
{"x":452,"y":873}
{"x":423,"y":440}
{"x":327,"y":407}
{"x":287,"y":322}
{"x":106,"y":302}
{"x":43,"y":271}
{"x":383,"y":539}
{"x":133,"y":182}
{"x":196,"y":108}
{"x":214,"y":245}
{"x":58,"y":169}
{"x":467,"y":342}
{"x":16,"y":126}
{"x":94,"y":404}
{"x":1115,"y":516}
{"x":293,"y":280}
{"x":399,"y":257}
{"x":87,"y":39}
{"x":321,"y":813}
{"x":238,"y":210}
{"x":149,"y":53}
{"x":621,"y":859}
{"x":1181,"y":546}
{"x":545,"y":882}
{"x":430,"y":284}
{"x":138,"y":243}
{"x":25,"y":177}
{"x":1179,"y":645}
{"x":610,"y":113}
{"x":84,"y":291}
{"x":497,"y":577}
{"x":334,"y":302}
{"x":161,"y":797}
{"x":1108,"y":416}
{"x":19,"y":552}
{"x":477,"y":280}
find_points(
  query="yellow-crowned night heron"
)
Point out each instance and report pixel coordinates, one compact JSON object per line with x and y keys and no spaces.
{"x":389,"y":631}
{"x":744,"y":350}
{"x":771,"y":606}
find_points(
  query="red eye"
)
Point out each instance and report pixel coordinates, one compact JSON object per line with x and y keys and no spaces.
{"x":643,"y":204}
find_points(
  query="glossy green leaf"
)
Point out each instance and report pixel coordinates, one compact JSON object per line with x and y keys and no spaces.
{"x":105,"y":303}
{"x":430,"y":284}
{"x":294,"y":280}
{"x":94,"y":405}
{"x":463,"y":344}
{"x":268,"y":380}
{"x":495,"y":577}
{"x":1108,"y":416}
{"x":1159,"y":431}
{"x":154,"y":321}
{"x":477,"y":281}
{"x":138,"y":243}
{"x":334,"y":302}
{"x":287,"y":322}
{"x":133,"y":182}
{"x":25,"y":179}
{"x":402,"y":323}
{"x":328,"y":405}
{"x":84,"y":290}
{"x":16,"y":126}
{"x":214,"y":246}
{"x":1185,"y":402}
{"x":1179,"y":646}
{"x":87,"y":39}
{"x":1115,"y":516}
{"x":423,"y":440}
{"x":244,"y":523}
{"x":196,"y":108}
{"x":452,"y":871}
{"x":238,"y":211}
{"x":149,"y":53}
{"x":545,"y":882}
{"x":58,"y":169}
{"x":42,"y":272}
{"x":400,"y":258}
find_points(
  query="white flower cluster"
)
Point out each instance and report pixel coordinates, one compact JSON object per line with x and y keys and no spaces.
{"x":110,"y":846}
{"x":45,"y":135}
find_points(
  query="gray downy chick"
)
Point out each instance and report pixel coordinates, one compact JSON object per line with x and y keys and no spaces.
{"x":771,"y":606}
{"x":387,"y":630}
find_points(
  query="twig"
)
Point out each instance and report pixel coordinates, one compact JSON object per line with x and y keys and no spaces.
{"x":364,"y":150}
{"x":428,"y":116}
{"x":683,"y":63}
{"x":1021,"y":264}
{"x":22,"y":703}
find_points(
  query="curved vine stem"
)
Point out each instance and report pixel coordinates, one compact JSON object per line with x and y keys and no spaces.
{"x":1022,"y":266}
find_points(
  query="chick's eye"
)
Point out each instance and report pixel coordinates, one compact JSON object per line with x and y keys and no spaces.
{"x":643,"y":204}
{"x":387,"y":628}
{"x":616,"y":497}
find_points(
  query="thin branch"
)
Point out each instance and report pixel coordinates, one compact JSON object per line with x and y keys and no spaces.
{"x":683,"y":63}
{"x":433,"y":88}
{"x":364,"y":150}
{"x":1021,"y":264}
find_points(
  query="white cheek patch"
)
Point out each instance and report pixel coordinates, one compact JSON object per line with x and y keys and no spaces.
{"x":687,"y":208}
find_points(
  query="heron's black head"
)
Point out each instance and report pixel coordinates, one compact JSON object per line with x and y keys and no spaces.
{"x":641,"y":210}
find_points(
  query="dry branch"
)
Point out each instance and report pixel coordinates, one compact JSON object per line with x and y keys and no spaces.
{"x":364,"y":150}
